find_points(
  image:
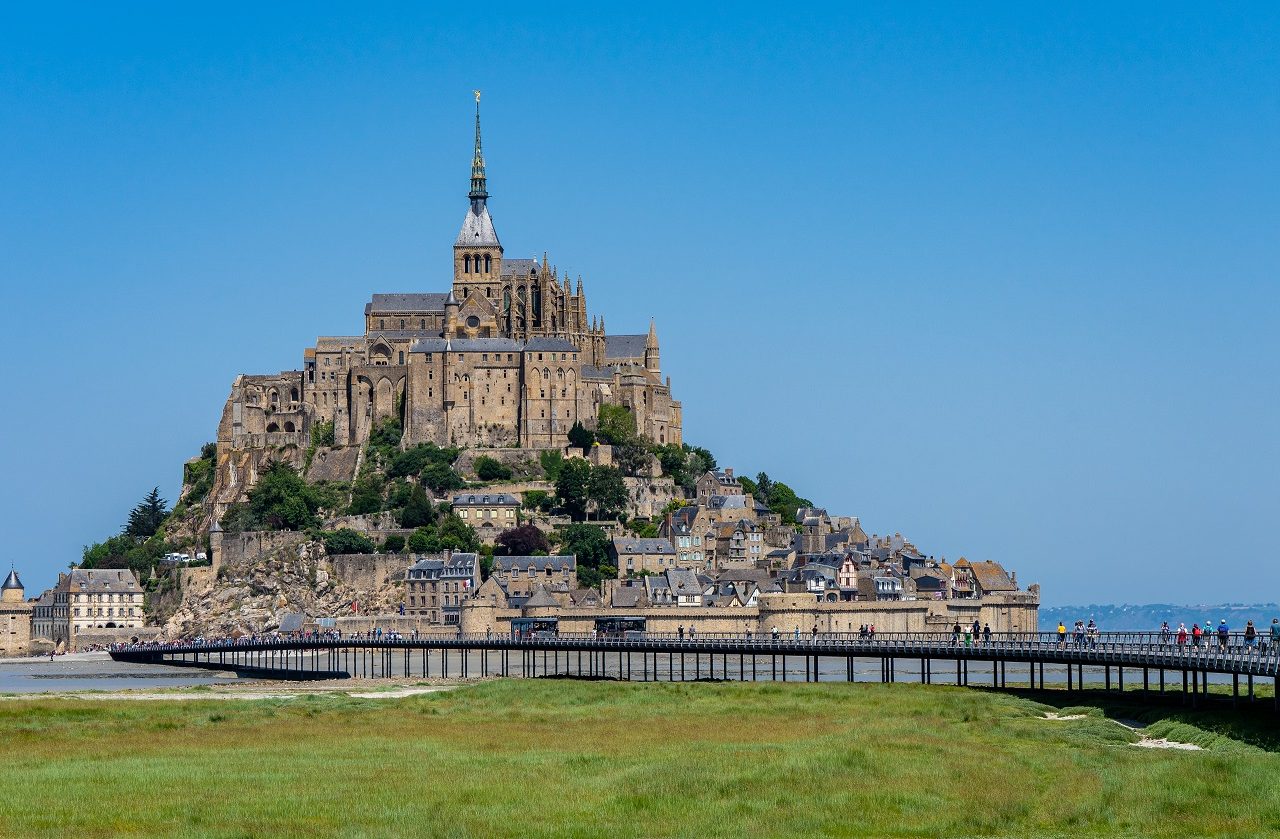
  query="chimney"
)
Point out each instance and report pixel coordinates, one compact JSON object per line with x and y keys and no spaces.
{"x":728,"y":471}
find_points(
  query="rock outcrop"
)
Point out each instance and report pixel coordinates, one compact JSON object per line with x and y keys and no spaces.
{"x":253,"y":596}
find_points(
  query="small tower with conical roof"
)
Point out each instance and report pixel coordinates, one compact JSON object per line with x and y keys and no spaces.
{"x":12,"y":591}
{"x":651,"y":359}
{"x":477,"y":253}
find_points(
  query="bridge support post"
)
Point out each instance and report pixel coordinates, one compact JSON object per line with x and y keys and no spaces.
{"x":1162,"y":680}
{"x":958,"y":681}
{"x":1251,"y":696}
{"x":1235,"y":690}
{"x":1107,"y":676}
{"x":1146,"y":682}
{"x":1120,"y":678}
{"x":1042,"y":675}
{"x":1195,"y":688}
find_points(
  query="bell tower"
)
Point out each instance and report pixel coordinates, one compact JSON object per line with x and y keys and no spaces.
{"x":477,"y":253}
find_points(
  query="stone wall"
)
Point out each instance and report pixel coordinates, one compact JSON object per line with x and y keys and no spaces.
{"x":371,"y":572}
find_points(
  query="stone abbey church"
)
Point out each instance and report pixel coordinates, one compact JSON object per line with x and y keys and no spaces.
{"x":508,"y":356}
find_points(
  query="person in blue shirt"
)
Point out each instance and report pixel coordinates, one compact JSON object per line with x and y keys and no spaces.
{"x":1224,"y":634}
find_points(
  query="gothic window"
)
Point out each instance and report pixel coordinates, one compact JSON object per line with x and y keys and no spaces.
{"x":506,"y":302}
{"x":422,"y":323}
{"x":487,"y":263}
{"x":275,"y":398}
{"x":272,"y":428}
{"x":288,"y":426}
{"x":293,"y":395}
{"x":382,"y":324}
{"x":401,"y":357}
{"x":466,"y":264}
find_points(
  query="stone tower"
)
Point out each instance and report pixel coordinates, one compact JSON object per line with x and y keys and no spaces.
{"x":15,"y":617}
{"x":652,"y":362}
{"x":477,"y":253}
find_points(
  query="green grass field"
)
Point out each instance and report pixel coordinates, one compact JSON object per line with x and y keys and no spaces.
{"x":560,"y":758}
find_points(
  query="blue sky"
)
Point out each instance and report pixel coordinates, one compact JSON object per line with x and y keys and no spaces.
{"x":1003,"y":279}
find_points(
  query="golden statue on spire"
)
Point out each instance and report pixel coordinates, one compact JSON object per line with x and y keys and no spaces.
{"x":477,"y":93}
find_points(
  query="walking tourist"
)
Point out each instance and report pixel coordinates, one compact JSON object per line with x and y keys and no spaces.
{"x":1092,"y":631}
{"x":986,"y":634}
{"x":1196,"y":632}
{"x":775,"y":634}
{"x":680,"y":632}
{"x":1224,"y":634}
{"x":1079,"y":634}
{"x":1182,"y":635}
{"x":1164,"y":634}
{"x":955,"y":633}
{"x":1250,"y":636}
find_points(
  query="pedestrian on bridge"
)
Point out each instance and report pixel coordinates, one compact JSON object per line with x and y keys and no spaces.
{"x":1250,"y":636}
{"x":1196,"y":632}
{"x":955,"y":633}
{"x":1224,"y":634}
{"x":1164,"y":634}
{"x":1182,"y":636}
{"x":1275,"y":636}
{"x":680,"y":631}
{"x":986,"y":634}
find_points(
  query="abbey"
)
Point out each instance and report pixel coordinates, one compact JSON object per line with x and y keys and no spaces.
{"x":507,"y":356}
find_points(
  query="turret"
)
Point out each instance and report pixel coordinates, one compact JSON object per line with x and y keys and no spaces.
{"x":651,"y":360}
{"x":12,"y":591}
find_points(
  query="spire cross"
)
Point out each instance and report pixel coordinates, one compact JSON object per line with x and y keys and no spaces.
{"x":479,"y":192}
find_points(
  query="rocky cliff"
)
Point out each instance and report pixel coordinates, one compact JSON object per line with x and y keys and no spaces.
{"x":253,"y":594}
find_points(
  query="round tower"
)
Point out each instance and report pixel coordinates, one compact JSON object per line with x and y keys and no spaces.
{"x":12,"y":591}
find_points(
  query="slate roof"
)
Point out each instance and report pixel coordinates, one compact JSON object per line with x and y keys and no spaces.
{"x":590,"y":371}
{"x":501,"y":498}
{"x":104,"y":580}
{"x":624,"y":346}
{"x":397,"y":303}
{"x":992,"y":577}
{"x":540,"y":598}
{"x":683,"y":581}
{"x":11,"y":581}
{"x":518,"y":267}
{"x":339,"y":342}
{"x":477,"y":229}
{"x":550,"y":345}
{"x":731,"y":502}
{"x":628,"y":597}
{"x":630,"y":545}
{"x":504,"y":564}
{"x":467,"y":345}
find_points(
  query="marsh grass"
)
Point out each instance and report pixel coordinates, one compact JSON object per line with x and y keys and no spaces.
{"x":578,"y":759}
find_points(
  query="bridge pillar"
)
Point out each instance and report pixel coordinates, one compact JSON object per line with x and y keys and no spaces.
{"x":1107,"y":676}
{"x":1069,"y":669}
{"x":958,"y":682}
{"x":1235,"y":690}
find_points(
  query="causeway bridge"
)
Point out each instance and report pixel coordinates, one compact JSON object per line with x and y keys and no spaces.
{"x":1112,"y":661}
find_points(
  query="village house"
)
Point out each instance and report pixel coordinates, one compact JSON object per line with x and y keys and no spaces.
{"x":488,"y":513}
{"x":436,"y":586}
{"x":633,"y":556}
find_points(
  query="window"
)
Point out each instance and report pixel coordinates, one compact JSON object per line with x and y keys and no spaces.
{"x":466,"y":264}
{"x":402,"y":356}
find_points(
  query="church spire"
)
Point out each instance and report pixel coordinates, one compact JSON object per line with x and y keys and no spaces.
{"x":479,"y":191}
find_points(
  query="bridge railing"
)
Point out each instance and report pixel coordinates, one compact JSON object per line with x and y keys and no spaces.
{"x":1099,"y":647}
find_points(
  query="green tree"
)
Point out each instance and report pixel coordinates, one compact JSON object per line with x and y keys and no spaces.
{"x":615,"y":425}
{"x":366,"y":494}
{"x":590,"y":545}
{"x":572,"y":487}
{"x":455,"y":534}
{"x":607,"y":491}
{"x":418,"y":512}
{"x":322,"y":434}
{"x":282,"y":500}
{"x":551,"y":461}
{"x":581,"y":436}
{"x":421,"y":540}
{"x":525,"y":540}
{"x":536,"y":499}
{"x":393,"y":544}
{"x":346,"y":541}
{"x":145,"y":519}
{"x":489,"y":469}
{"x":441,"y":477}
